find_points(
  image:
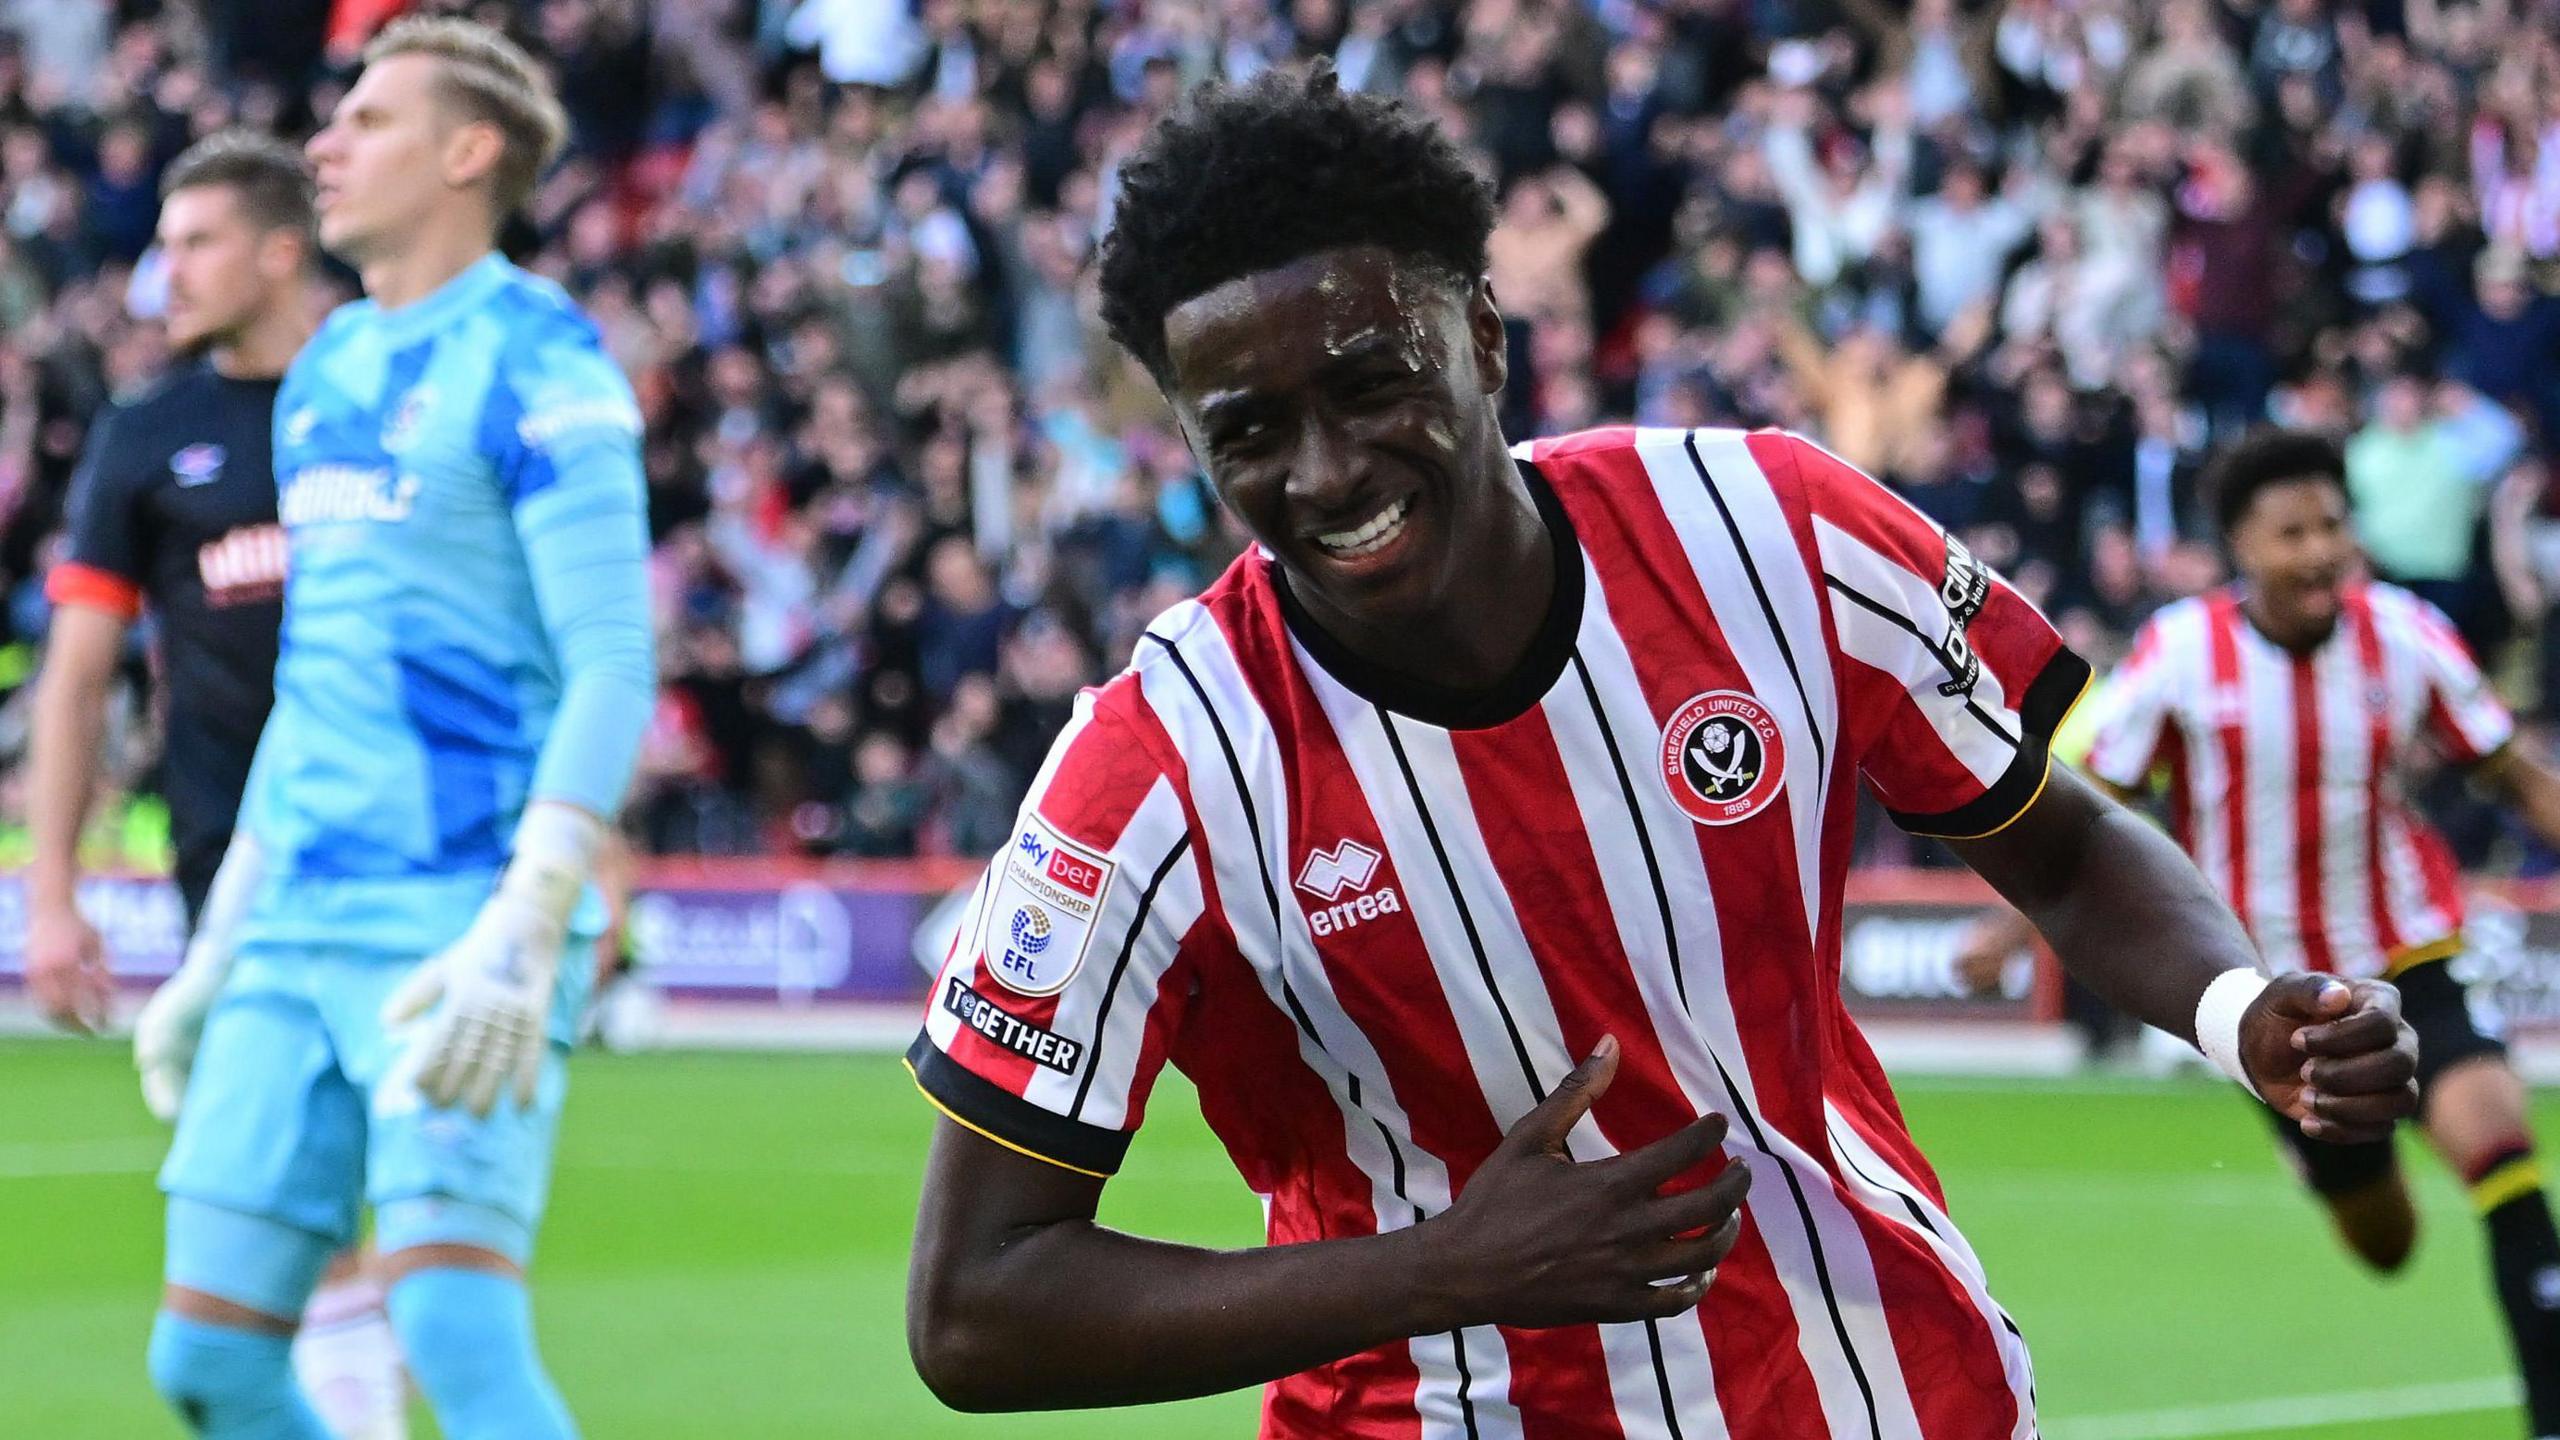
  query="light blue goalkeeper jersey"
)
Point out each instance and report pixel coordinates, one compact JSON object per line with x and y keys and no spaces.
{"x":466,"y":618}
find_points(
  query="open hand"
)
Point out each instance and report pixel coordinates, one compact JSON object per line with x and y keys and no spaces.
{"x":2333,"y":1055}
{"x":1539,"y":1239}
{"x":67,"y":969}
{"x":485,"y":1002}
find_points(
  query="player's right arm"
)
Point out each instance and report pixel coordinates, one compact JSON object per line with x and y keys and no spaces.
{"x":1967,"y":684}
{"x":96,"y":593}
{"x":1982,"y":956}
{"x":1018,"y":1300}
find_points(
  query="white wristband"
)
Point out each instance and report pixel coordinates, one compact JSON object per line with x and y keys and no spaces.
{"x":226,"y":903}
{"x":2218,"y":1014}
{"x":555,"y":856}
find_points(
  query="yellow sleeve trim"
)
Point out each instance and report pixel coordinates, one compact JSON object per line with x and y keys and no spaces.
{"x":2087,"y":683}
{"x":956,"y":1118}
{"x":2072,"y":744}
{"x":2520,"y":1176}
{"x":2041,"y":781}
{"x":2405,"y":960}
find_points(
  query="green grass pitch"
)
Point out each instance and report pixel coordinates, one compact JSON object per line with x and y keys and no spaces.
{"x":727,"y":1248}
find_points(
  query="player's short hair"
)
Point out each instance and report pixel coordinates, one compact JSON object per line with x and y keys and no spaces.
{"x":264,"y":174}
{"x":1243,"y":178}
{"x":490,"y":79}
{"x":2269,"y":456}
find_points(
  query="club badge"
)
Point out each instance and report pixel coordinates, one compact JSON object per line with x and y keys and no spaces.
{"x":1723,"y":758}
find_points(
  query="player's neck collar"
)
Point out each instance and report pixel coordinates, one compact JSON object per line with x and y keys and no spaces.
{"x":2242,"y":605}
{"x":1507,"y":700}
{"x":448,"y":302}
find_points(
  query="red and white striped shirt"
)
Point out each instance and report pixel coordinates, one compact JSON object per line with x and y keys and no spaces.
{"x":1374,"y":942}
{"x":2284,"y":770}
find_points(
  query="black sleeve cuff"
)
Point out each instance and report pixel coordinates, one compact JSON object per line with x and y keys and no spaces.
{"x":2049,"y":698}
{"x":1011,"y":1121}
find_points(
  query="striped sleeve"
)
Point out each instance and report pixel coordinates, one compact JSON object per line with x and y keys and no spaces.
{"x":1960,"y":681}
{"x":1065,"y":989}
{"x":2130,"y":713}
{"x":2463,"y":714}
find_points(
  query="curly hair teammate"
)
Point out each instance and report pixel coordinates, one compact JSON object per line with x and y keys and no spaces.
{"x":2280,"y":717}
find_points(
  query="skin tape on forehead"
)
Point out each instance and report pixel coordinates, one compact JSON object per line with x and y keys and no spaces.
{"x":1408,"y":304}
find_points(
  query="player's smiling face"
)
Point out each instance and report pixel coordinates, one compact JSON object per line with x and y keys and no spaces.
{"x":379,"y":167}
{"x":1342,"y":405}
{"x":2295,"y":549}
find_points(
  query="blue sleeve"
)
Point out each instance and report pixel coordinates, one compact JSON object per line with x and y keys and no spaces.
{"x":563,"y":431}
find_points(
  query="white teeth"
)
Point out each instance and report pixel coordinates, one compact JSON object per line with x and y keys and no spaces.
{"x":1383,"y":527}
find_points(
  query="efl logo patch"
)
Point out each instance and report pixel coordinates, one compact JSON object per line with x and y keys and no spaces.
{"x":1722,"y":757}
{"x":1041,"y":1047}
{"x":1039,"y":918}
{"x":196,"y":465}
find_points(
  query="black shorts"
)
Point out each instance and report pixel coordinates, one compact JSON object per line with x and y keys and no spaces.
{"x":2436,"y":1006}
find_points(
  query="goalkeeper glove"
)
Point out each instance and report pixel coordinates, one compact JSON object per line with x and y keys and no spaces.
{"x":487,"y":996}
{"x":165,"y":1033}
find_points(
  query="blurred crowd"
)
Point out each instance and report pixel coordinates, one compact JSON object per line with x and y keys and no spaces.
{"x":2026,"y":260}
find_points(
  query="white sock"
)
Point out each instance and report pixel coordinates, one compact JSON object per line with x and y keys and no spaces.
{"x":349,"y":1363}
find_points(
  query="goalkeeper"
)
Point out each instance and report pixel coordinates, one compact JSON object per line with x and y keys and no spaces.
{"x":380,"y":1009}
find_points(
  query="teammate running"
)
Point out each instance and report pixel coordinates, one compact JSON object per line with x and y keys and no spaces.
{"x":1487,"y":761}
{"x":175,"y":509}
{"x":466,"y":671}
{"x":2280,"y":719}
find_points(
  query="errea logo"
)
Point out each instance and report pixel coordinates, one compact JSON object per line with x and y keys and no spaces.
{"x":1341,"y":877}
{"x":1347,"y":866}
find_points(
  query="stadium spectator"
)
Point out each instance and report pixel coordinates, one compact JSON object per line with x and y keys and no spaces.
{"x":2414,"y":505}
{"x":2026,"y":259}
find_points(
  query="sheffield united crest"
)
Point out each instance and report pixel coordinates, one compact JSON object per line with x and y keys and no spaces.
{"x":1722,"y":757}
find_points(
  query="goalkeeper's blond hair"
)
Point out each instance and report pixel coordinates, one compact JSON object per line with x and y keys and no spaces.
{"x":490,"y":80}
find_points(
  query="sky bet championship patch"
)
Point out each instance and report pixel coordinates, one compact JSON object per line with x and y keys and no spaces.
{"x":1039,"y":921}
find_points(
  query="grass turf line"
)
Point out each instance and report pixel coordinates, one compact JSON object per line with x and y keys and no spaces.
{"x":727,"y":1248}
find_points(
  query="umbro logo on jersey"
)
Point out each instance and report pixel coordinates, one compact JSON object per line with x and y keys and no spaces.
{"x":1723,"y":758}
{"x":297,"y":426}
{"x":196,"y":465}
{"x":1342,"y":877}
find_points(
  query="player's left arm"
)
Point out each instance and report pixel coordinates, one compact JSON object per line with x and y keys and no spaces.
{"x":2472,"y":727}
{"x":1956,"y":686}
{"x":561,"y":431}
{"x":2127,"y":912}
{"x":2519,"y":775}
{"x":564,"y":432}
